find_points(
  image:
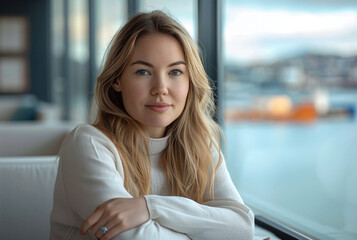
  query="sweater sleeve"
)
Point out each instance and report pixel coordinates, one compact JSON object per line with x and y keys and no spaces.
{"x":224,"y":216}
{"x":91,"y":176}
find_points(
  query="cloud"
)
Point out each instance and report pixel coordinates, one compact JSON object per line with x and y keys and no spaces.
{"x":251,"y":33}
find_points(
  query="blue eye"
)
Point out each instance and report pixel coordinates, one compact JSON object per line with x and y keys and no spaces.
{"x":142,"y":72}
{"x":176,"y":72}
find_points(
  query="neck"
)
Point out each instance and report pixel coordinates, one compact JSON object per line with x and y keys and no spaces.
{"x":155,"y":132}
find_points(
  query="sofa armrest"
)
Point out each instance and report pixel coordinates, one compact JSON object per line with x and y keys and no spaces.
{"x":26,"y":187}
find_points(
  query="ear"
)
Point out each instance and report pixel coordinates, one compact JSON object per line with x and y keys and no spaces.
{"x":116,"y":86}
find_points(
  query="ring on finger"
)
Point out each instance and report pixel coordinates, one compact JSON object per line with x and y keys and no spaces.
{"x":104,"y":229}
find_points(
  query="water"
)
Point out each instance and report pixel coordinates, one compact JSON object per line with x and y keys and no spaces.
{"x":304,"y":175}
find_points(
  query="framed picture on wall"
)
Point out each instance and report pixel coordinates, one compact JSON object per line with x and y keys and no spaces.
{"x":14,"y":75}
{"x":14,"y":58}
{"x":13,"y":35}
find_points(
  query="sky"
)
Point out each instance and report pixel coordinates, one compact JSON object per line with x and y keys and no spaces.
{"x":255,"y":31}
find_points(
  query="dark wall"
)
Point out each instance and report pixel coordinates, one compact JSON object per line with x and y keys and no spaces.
{"x":38,"y":14}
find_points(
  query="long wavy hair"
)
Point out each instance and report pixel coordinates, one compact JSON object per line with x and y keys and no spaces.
{"x":187,"y":159}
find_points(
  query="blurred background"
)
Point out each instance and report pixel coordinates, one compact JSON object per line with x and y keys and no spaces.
{"x":284,"y":73}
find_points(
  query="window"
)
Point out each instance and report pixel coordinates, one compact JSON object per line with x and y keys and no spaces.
{"x":57,"y":52}
{"x":78,"y":58}
{"x":70,"y":56}
{"x":110,"y":15}
{"x":290,"y":96}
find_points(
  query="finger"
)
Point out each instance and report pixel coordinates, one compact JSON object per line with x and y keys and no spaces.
{"x":96,"y":229}
{"x":101,"y":231}
{"x":91,"y":220}
{"x":109,"y":225}
{"x":113,"y":232}
{"x":115,"y":226}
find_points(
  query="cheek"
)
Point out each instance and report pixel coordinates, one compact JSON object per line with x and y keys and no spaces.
{"x":133,"y":93}
{"x":182,"y":91}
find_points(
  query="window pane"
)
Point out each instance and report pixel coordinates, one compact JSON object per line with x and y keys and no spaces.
{"x":185,"y":12}
{"x":78,"y":57}
{"x":290,"y":101}
{"x":111,"y":15}
{"x":57,"y":52}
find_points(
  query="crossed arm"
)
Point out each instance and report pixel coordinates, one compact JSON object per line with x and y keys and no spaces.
{"x":95,"y":191}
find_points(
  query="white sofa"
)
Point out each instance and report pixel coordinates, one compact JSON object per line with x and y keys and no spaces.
{"x":28,"y":168}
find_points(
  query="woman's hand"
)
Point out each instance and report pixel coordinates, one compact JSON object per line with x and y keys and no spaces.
{"x":117,"y":215}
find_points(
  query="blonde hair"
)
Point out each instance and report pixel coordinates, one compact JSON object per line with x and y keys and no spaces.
{"x":187,"y":159}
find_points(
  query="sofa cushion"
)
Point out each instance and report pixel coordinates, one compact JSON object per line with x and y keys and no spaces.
{"x":32,"y":139}
{"x":10,"y":107}
{"x":26,"y":187}
{"x":26,"y":111}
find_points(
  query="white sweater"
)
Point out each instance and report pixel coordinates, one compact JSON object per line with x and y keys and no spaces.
{"x":90,"y":173}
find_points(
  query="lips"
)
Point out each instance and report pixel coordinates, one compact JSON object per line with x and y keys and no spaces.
{"x":159,"y":107}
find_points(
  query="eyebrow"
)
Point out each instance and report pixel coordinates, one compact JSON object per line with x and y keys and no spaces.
{"x":150,"y":65}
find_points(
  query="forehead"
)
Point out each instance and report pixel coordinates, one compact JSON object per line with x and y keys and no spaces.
{"x":157,"y":47}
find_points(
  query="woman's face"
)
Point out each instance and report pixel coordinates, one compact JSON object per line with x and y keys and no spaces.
{"x":155,"y":83}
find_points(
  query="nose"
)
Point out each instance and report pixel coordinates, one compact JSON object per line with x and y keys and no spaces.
{"x":159,"y":86}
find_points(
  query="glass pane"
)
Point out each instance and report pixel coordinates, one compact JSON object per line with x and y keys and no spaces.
{"x":78,"y":57}
{"x":290,"y":103}
{"x":57,"y":51}
{"x":185,"y":12}
{"x":110,"y":15}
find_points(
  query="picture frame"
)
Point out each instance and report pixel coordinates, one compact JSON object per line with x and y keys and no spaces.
{"x":14,"y":54}
{"x":13,"y":35}
{"x":14,"y":74}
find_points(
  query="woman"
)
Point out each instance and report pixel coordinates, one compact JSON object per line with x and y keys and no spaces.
{"x":150,"y":166}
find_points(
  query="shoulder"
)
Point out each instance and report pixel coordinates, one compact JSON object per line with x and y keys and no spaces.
{"x":86,"y":131}
{"x":84,"y":136}
{"x":86,"y":148}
